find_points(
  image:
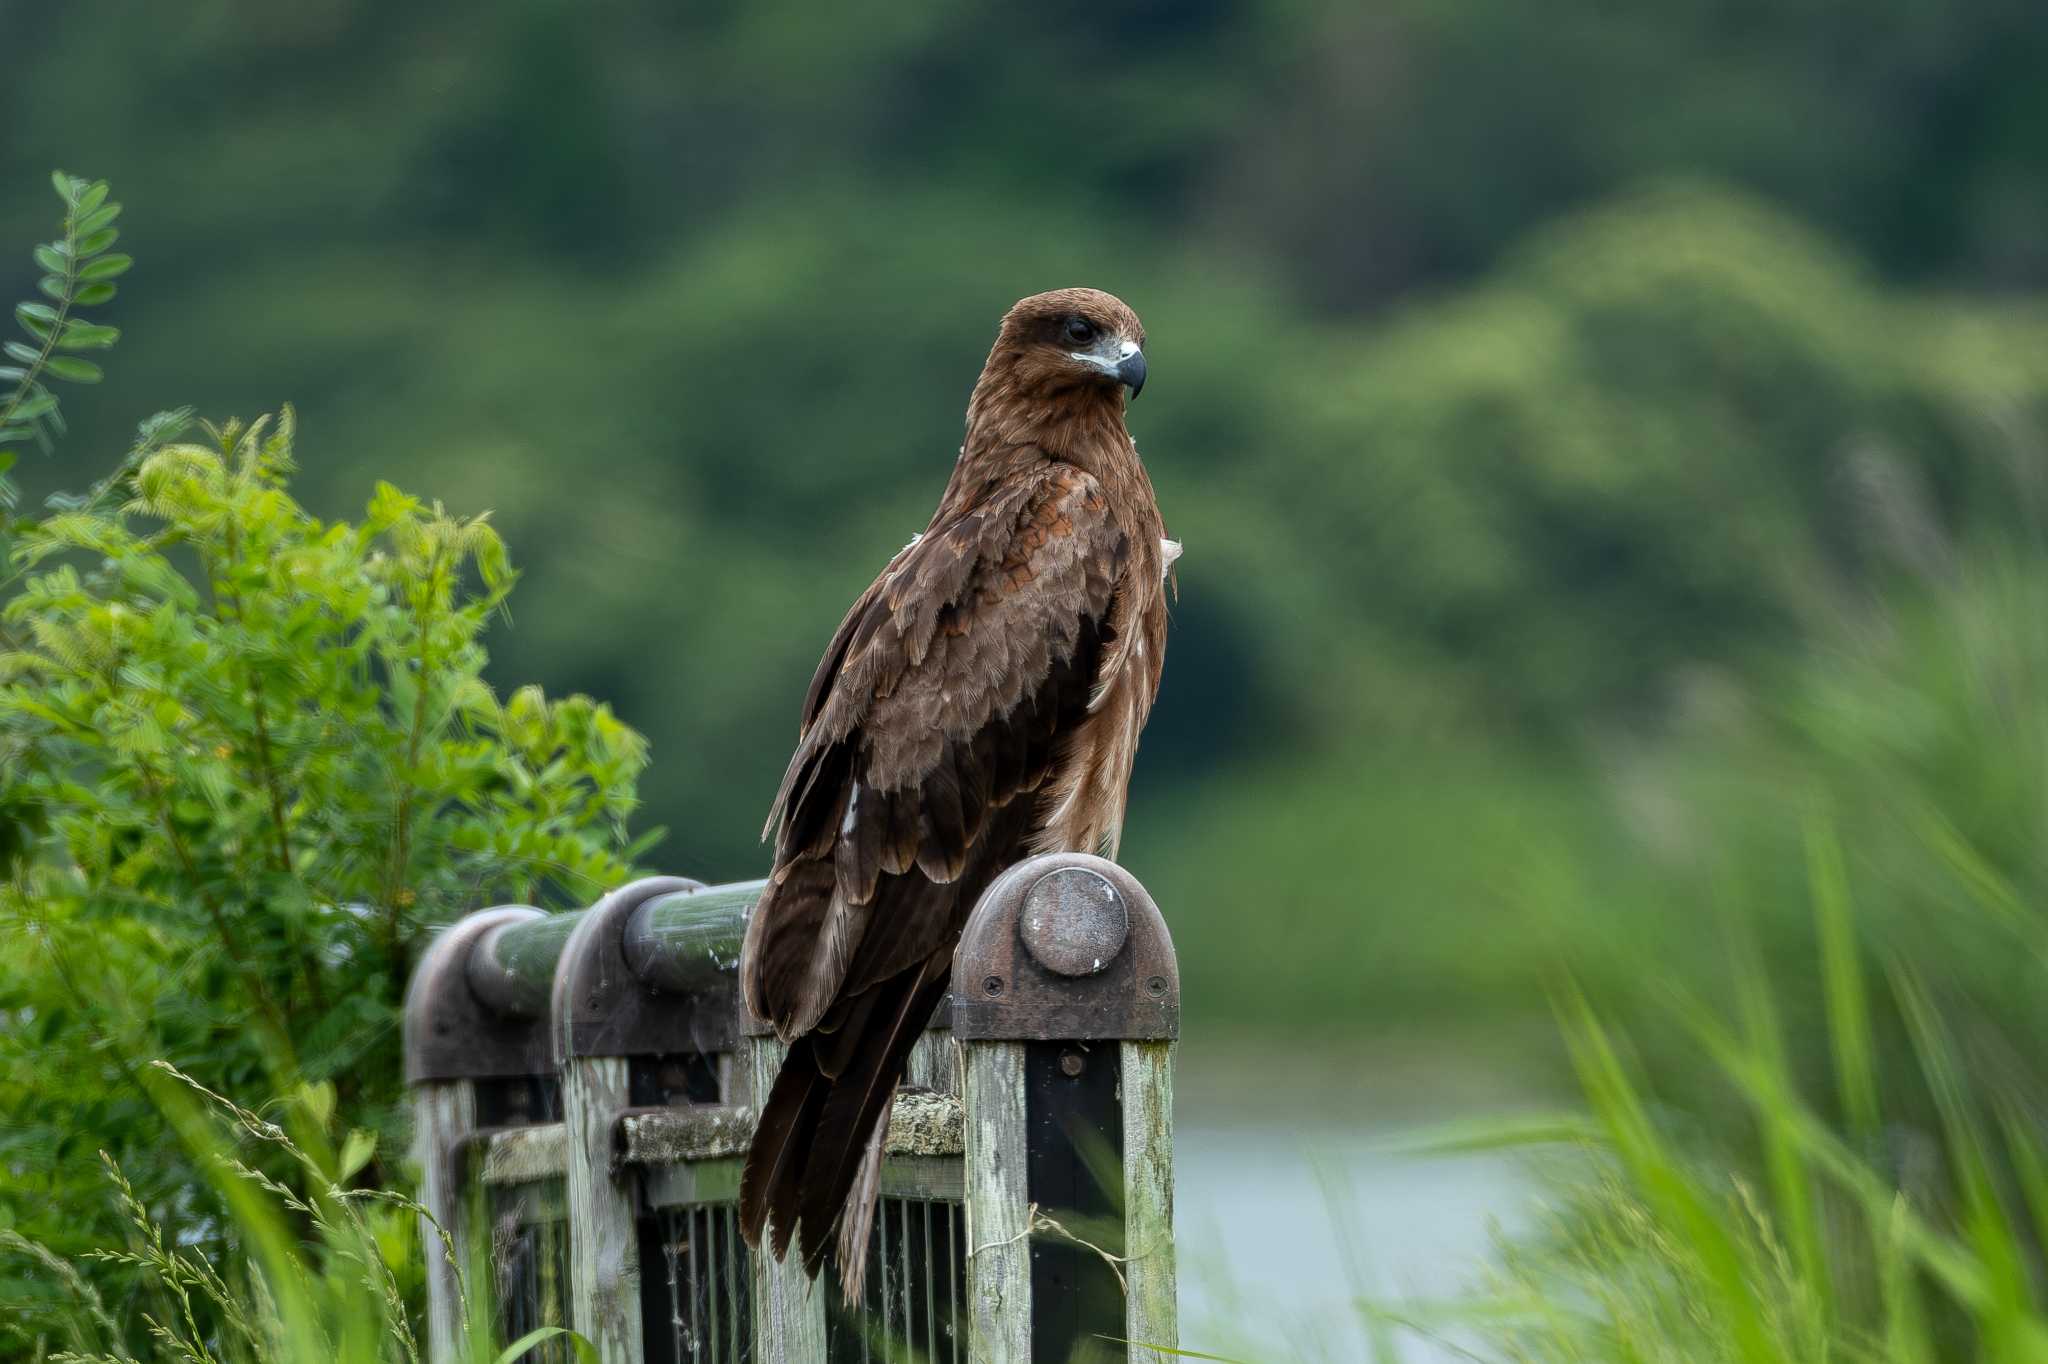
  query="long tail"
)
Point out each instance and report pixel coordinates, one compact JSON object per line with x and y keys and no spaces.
{"x":829,"y":1099}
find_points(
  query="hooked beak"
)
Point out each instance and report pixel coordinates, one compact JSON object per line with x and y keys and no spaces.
{"x":1130,"y":371}
{"x":1117,"y":359}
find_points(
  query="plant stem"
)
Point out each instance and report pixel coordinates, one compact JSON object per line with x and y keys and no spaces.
{"x":27,"y":382}
{"x":267,"y":767}
{"x":214,"y":909}
{"x":401,"y":857}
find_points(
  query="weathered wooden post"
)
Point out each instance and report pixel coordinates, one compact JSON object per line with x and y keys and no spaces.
{"x":1067,"y":1001}
{"x":454,"y":1043}
{"x":605,"y":1014}
{"x":789,"y":1316}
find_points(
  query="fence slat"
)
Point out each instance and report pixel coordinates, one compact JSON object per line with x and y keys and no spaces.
{"x":1151,"y":1315}
{"x":789,"y":1321}
{"x":998,"y":1216}
{"x":444,"y":1115}
{"x":604,"y":1278}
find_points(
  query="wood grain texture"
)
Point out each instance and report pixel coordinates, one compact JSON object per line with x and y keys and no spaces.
{"x":998,"y":1205}
{"x":933,"y":1062}
{"x":444,"y":1115}
{"x":604,"y":1264}
{"x":1151,"y":1315}
{"x":789,"y":1317}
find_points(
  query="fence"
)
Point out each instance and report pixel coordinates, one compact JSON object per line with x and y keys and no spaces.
{"x":582,"y":1087}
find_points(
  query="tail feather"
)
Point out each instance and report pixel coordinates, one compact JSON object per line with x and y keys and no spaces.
{"x":857,"y":1104}
{"x":782,"y":1143}
{"x":817,"y":1139}
{"x":857,"y":1222}
{"x":824,"y":1123}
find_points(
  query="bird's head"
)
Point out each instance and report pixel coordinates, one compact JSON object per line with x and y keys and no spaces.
{"x":1069,"y":340}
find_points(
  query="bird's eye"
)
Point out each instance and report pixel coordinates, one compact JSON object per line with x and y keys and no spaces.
{"x":1080,"y":330}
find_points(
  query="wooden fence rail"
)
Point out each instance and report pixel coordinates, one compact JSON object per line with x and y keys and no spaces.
{"x":583,"y":1089}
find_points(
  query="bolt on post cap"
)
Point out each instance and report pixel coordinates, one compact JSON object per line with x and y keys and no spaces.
{"x":1074,"y":921}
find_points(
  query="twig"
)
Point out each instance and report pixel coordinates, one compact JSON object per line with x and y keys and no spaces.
{"x":1036,"y":1221}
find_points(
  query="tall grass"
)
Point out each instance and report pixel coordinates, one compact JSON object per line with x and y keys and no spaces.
{"x":318,"y":1276}
{"x":1852,"y":1239}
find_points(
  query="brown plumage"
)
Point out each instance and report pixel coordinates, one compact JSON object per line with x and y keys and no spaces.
{"x":981,"y":701}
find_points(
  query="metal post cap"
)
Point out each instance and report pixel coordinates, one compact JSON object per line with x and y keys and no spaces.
{"x":1074,"y":921}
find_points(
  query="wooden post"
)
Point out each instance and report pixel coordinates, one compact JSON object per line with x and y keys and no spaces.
{"x":998,"y":1205}
{"x":934,"y":1063}
{"x":604,"y":1259}
{"x":789,"y":1310}
{"x":444,"y":1116}
{"x":453,"y":1041}
{"x":1151,"y":1315}
{"x":592,"y":1047}
{"x":1067,"y":998}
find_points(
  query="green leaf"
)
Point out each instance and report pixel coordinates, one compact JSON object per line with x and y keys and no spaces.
{"x":34,"y":326}
{"x":76,"y":370}
{"x":6,"y":460}
{"x":10,"y":434}
{"x":35,"y":405}
{"x":25,"y":354}
{"x":9,"y":373}
{"x":37,"y":310}
{"x":65,"y":186}
{"x":355,"y":1153}
{"x":98,"y":241}
{"x":51,"y":258}
{"x":52,"y":286}
{"x":98,"y":218}
{"x":93,"y":197}
{"x":94,"y":293}
{"x":106,"y":267}
{"x":586,"y":1353}
{"x":87,"y":336}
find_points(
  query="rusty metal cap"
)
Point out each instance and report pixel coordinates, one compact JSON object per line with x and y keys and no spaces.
{"x":601,"y":1006}
{"x":450,"y":1034}
{"x":1066,"y":945}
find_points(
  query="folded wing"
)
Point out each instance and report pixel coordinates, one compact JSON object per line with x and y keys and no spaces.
{"x":936,"y":718}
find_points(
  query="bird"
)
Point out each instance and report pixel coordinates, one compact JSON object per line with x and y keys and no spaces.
{"x":980,"y":702}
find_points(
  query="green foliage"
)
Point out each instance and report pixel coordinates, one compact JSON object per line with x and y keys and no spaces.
{"x":1772,"y":1227}
{"x":1666,"y":437}
{"x":266,"y":1292}
{"x":1604,"y":447}
{"x":1821,"y":580}
{"x":79,"y":270}
{"x":1524,"y":621}
{"x":253,"y":761}
{"x":1667,"y":1250}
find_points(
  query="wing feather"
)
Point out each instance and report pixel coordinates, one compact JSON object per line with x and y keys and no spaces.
{"x":937,"y":702}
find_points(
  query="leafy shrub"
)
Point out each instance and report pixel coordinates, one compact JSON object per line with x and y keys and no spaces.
{"x":252,"y":761}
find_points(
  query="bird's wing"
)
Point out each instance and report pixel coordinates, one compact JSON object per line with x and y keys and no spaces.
{"x":938,"y":704}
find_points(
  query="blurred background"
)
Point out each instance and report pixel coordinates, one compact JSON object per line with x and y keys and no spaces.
{"x":1603,"y":437}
